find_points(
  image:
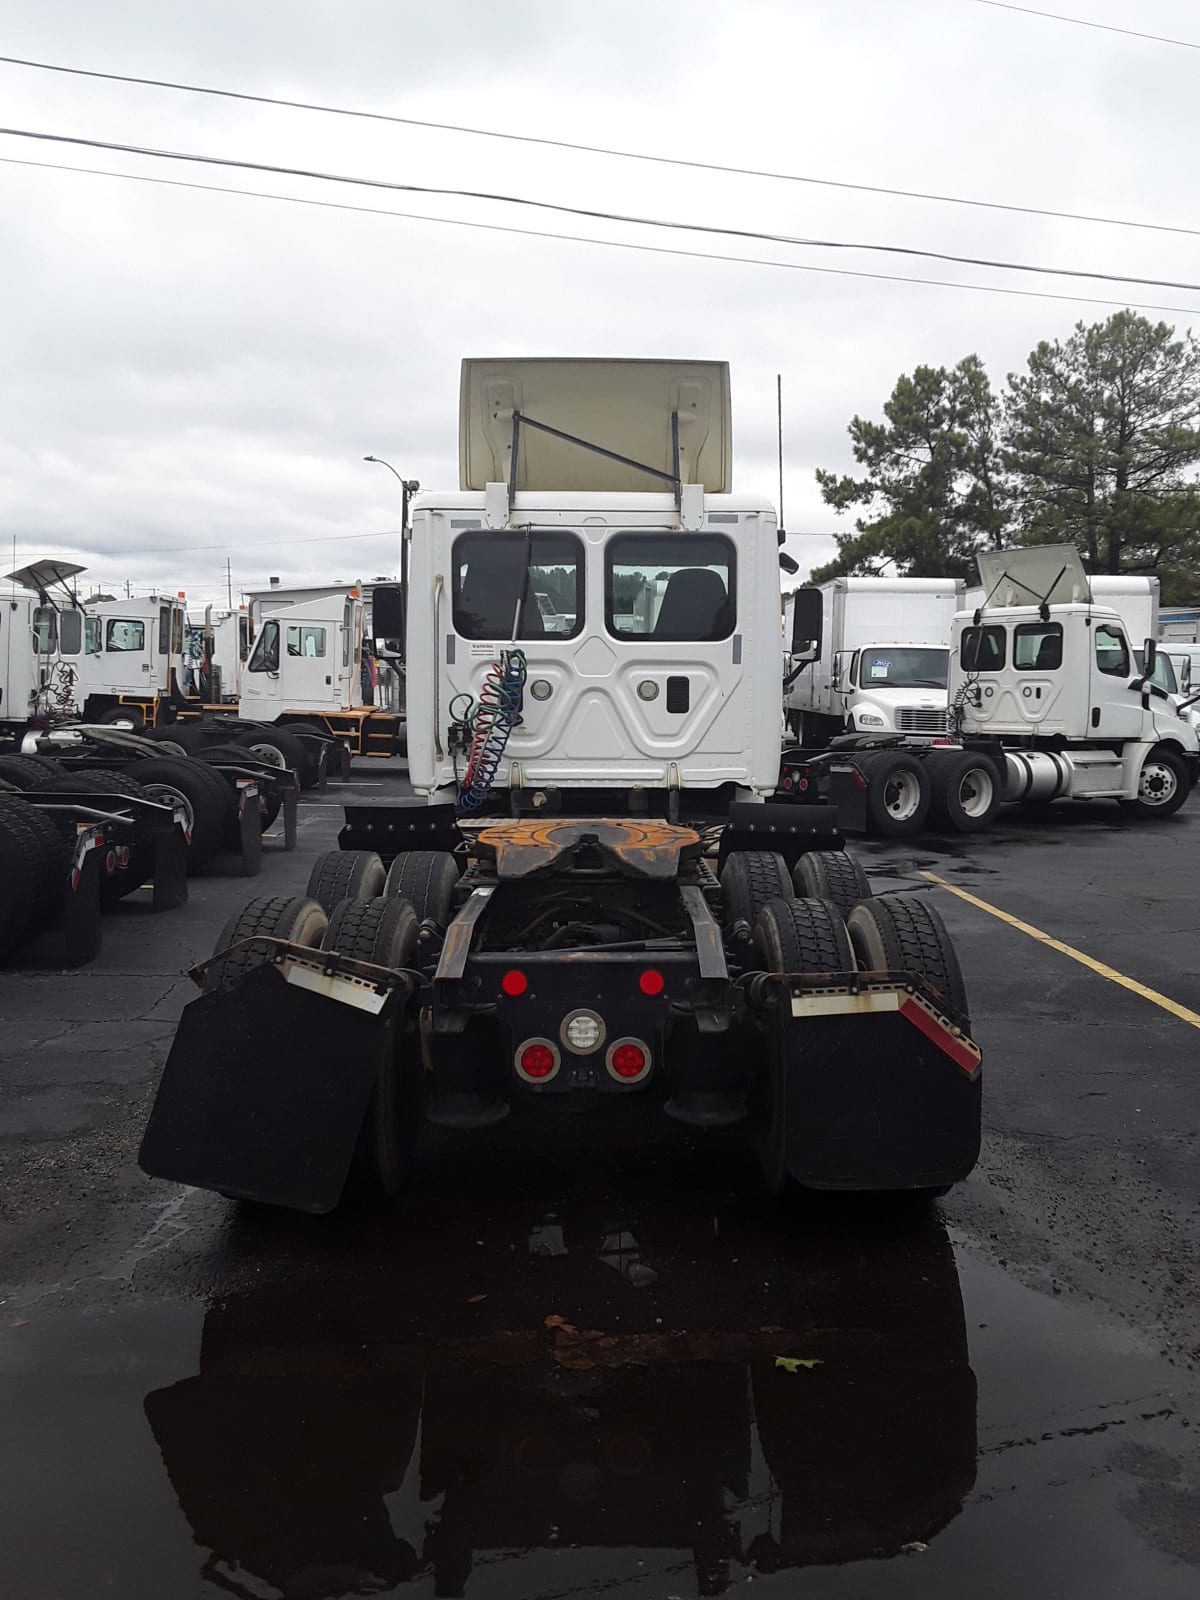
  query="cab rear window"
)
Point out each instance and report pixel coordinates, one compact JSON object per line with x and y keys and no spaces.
{"x":982,"y":649}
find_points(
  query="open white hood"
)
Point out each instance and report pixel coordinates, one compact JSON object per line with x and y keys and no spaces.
{"x":1026,"y":576}
{"x":623,"y":406}
{"x":39,"y":575}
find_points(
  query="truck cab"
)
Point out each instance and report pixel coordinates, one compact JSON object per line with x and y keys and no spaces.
{"x":134,"y":658}
{"x":1052,"y":679}
{"x":307,"y":657}
{"x":659,"y":671}
{"x":41,"y":646}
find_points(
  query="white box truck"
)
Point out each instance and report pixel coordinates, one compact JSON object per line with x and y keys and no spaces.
{"x":881,"y":658}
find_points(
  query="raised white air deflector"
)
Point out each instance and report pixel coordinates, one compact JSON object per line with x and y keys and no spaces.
{"x":39,"y":575}
{"x":623,"y":406}
{"x":1049,"y":572}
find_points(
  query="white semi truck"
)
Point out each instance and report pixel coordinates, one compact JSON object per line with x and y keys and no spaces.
{"x":42,"y":636}
{"x":881,"y":657}
{"x":593,"y":896}
{"x":1050,"y":698}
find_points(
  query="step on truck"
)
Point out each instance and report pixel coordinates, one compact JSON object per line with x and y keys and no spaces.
{"x":1051,"y":698}
{"x":592,"y":899}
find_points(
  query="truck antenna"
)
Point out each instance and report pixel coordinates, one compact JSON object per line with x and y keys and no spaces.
{"x":779,"y":431}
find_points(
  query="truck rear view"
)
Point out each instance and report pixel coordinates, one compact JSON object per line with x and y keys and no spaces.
{"x":592,"y":896}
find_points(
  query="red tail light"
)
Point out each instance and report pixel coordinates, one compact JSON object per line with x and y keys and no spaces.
{"x":628,"y":1060}
{"x":652,"y":982}
{"x":537,"y":1060}
{"x":514,"y":983}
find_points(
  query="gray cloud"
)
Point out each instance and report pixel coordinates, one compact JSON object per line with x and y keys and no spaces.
{"x":184,"y":370}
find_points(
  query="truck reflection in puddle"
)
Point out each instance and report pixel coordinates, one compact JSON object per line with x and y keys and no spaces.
{"x":611,"y":1402}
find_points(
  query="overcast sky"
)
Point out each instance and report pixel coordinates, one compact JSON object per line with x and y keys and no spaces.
{"x":186,"y":376}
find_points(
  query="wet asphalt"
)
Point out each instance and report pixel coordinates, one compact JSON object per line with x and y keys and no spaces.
{"x":586,"y":1358}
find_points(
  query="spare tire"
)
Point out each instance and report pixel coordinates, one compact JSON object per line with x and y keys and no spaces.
{"x":205,"y":796}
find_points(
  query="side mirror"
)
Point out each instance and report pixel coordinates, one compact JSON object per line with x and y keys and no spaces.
{"x":387,"y":616}
{"x":806,"y":624}
{"x":1149,"y":658}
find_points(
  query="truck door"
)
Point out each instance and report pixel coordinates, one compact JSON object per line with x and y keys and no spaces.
{"x":261,"y":699}
{"x":1115,"y":710}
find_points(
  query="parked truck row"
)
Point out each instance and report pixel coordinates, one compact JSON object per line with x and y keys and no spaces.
{"x":1049,"y":696}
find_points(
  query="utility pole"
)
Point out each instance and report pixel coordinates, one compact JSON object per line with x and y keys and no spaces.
{"x":229,"y":583}
{"x":779,"y":425}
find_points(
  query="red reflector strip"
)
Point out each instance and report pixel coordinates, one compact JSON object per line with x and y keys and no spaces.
{"x":963,"y":1052}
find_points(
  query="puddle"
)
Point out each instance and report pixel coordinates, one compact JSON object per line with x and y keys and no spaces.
{"x":588,"y":1398}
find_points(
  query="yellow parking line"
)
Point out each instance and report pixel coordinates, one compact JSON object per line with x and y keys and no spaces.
{"x":1104,"y":970}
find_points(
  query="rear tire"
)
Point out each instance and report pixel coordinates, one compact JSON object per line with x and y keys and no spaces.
{"x":346,"y":875}
{"x":790,"y":936}
{"x":131,"y":717}
{"x":278,"y":748}
{"x":270,"y":801}
{"x":831,"y":875}
{"x":427,"y":879}
{"x":28,"y":772}
{"x":897,"y":793}
{"x":750,"y":879}
{"x":33,"y":868}
{"x":294,"y":918}
{"x":964,"y":790}
{"x":102,"y":780}
{"x":384,"y":932}
{"x":204,"y":795}
{"x":903,"y":933}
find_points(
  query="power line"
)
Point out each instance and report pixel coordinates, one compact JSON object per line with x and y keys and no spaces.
{"x":265,"y":544}
{"x":602,"y":150}
{"x":1080,"y":22}
{"x":606,"y":244}
{"x":584,"y":211}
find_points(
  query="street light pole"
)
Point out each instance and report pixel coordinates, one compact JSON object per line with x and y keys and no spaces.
{"x":408,"y":486}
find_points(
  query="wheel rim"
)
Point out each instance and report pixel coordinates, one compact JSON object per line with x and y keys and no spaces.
{"x":902,"y":796}
{"x":975,"y":792}
{"x":270,"y":753}
{"x":1158,"y":783}
{"x":174,"y":797}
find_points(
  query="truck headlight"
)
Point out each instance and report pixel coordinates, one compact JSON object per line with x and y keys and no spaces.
{"x":868,"y":719}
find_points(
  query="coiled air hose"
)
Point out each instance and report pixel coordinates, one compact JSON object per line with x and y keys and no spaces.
{"x":491,"y":722}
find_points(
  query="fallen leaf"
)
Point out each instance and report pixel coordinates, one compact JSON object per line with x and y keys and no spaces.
{"x":474,"y":1299}
{"x":794,"y":1363}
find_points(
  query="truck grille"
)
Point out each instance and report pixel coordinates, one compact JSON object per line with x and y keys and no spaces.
{"x":910,"y":720}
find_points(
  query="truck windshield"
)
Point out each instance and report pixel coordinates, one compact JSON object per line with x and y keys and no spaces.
{"x":904,"y":667}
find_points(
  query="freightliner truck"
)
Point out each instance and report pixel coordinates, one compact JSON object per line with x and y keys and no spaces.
{"x":1051,"y":698}
{"x":593,"y":895}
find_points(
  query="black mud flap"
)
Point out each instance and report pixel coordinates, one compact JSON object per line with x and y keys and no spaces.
{"x":880,"y":1099}
{"x":265,"y":1090}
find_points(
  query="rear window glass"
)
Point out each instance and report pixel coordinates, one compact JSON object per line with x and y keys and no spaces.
{"x":1037,"y":646}
{"x":982,"y":649}
{"x":519,"y":585}
{"x":670,"y":586}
